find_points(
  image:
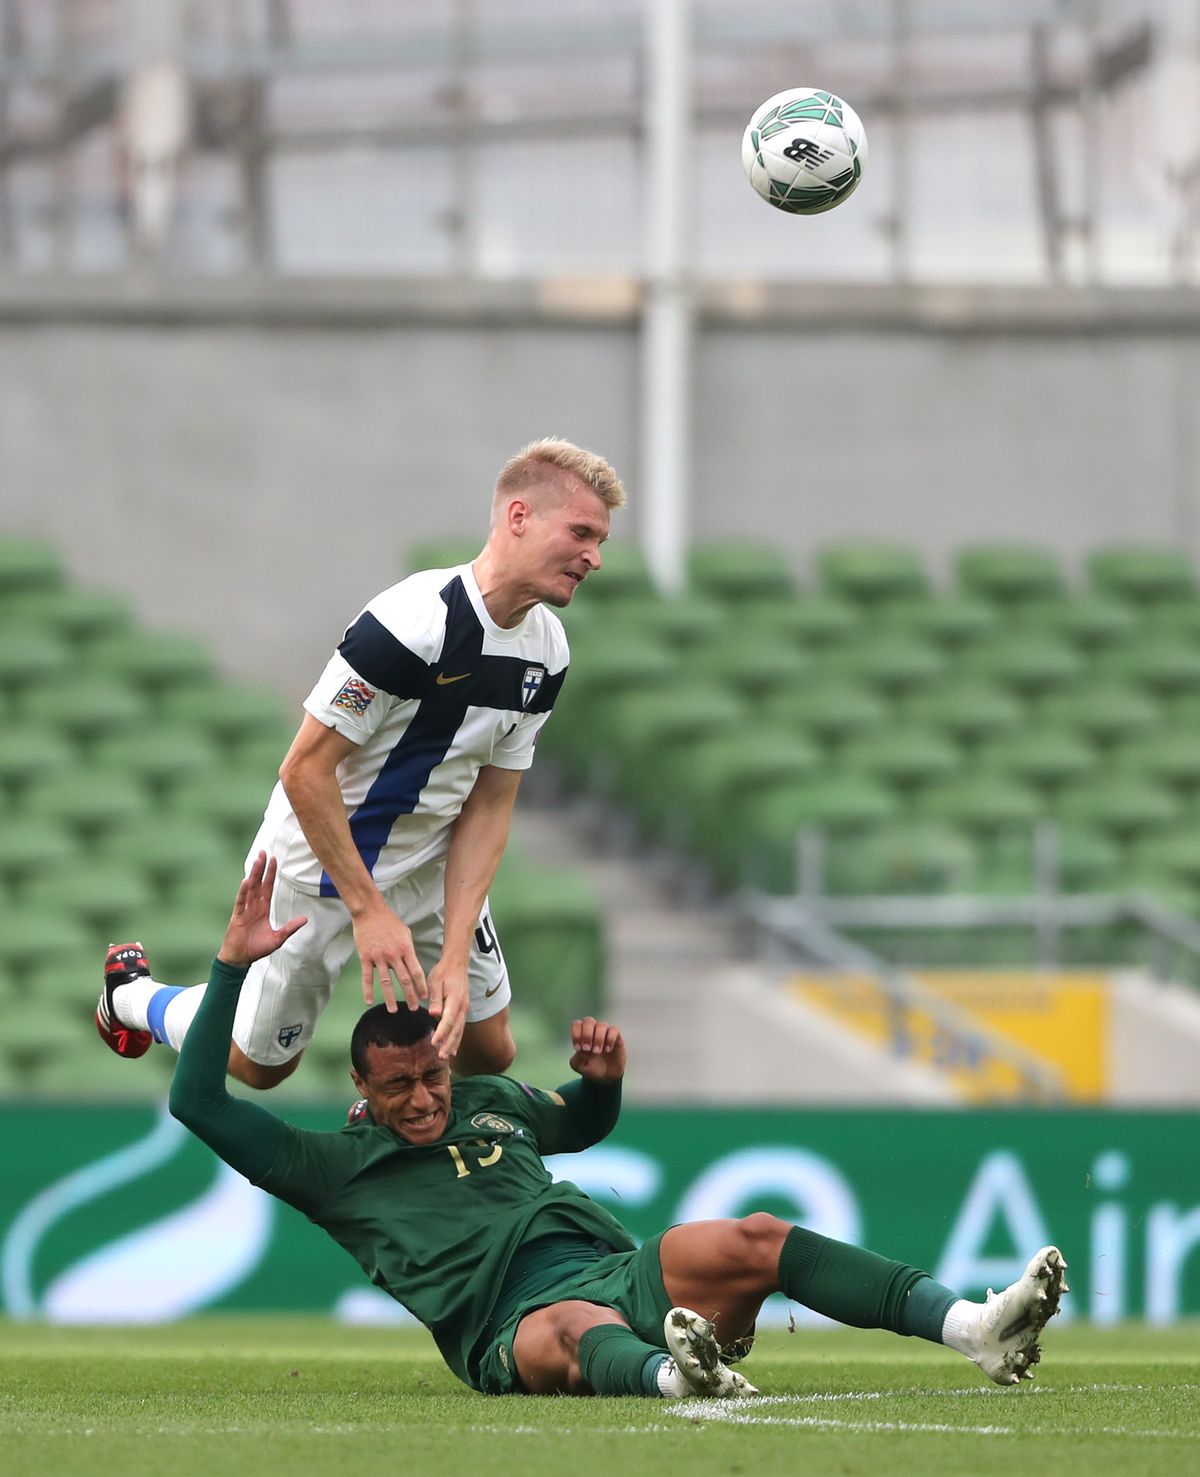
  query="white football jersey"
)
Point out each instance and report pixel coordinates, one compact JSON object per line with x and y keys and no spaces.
{"x":430,"y":689}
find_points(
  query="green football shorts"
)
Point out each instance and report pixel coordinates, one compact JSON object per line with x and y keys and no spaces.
{"x":630,"y":1282}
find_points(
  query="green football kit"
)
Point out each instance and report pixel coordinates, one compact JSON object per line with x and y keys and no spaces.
{"x":471,"y":1233}
{"x":466,"y":1232}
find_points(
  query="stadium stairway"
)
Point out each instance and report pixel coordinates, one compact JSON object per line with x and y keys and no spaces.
{"x":703,"y":1022}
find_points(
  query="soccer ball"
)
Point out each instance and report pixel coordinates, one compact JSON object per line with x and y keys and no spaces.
{"x":804,"y":150}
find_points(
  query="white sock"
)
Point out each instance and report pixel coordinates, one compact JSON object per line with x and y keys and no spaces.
{"x":167,"y":1011}
{"x":960,"y":1330}
{"x":131,"y":1002}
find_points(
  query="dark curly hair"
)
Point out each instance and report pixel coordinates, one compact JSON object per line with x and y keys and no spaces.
{"x":380,"y":1026}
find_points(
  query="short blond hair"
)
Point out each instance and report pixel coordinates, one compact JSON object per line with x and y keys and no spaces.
{"x":531,"y":463}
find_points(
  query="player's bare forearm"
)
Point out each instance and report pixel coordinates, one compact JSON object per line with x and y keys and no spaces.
{"x":476,"y":847}
{"x":309,"y":777}
{"x":383,"y":941}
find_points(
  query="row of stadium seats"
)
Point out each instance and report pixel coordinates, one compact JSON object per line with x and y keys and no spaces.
{"x":925,"y":733}
{"x":869,"y":572}
{"x":132,"y":780}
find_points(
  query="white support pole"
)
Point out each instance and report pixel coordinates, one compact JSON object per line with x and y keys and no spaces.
{"x":666,"y":328}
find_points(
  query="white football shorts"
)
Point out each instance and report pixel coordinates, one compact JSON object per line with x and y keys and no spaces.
{"x":284,"y":994}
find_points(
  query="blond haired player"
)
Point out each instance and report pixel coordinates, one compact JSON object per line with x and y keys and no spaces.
{"x":394,"y":801}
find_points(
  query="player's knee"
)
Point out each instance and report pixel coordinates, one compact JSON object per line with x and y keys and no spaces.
{"x":760,"y":1240}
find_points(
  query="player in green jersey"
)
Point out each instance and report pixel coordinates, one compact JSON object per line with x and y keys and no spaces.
{"x":439,"y":1192}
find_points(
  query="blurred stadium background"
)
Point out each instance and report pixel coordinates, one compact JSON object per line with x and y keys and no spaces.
{"x":870,"y":808}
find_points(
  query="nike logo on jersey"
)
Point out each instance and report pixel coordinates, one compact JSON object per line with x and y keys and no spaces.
{"x":487,"y":994}
{"x":444,"y":681}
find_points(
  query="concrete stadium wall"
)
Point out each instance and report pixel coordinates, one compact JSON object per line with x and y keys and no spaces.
{"x":260,"y":483}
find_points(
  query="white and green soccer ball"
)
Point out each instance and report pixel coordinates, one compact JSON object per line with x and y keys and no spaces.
{"x":804,"y":150}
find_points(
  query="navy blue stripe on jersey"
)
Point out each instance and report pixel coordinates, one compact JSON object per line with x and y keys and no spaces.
{"x":383,"y":661}
{"x":425,"y":742}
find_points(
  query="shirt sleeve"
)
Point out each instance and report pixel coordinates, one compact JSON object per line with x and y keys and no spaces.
{"x":246,"y":1136}
{"x":571,"y":1117}
{"x":297,"y":1166}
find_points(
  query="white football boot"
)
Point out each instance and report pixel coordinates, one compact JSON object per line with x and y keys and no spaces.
{"x":1004,"y":1338}
{"x":696,"y":1359}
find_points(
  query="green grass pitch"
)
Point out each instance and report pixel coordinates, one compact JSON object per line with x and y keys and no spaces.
{"x":250,"y":1397}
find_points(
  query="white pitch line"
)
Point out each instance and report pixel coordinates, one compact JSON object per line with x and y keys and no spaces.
{"x":745,"y":1413}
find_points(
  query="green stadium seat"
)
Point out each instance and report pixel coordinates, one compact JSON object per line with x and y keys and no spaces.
{"x":26,"y":756}
{"x":677,"y":623}
{"x":1172,"y":856}
{"x":764,"y":852}
{"x":754,"y":668}
{"x":818,"y":622}
{"x":98,"y":1076}
{"x":28,"y":564}
{"x":1029,"y":663}
{"x":1045,"y":758}
{"x":229,"y":799}
{"x":1168,"y":756}
{"x":181,"y":942}
{"x":167,"y":848}
{"x":229,"y":713}
{"x":1125,"y":806}
{"x":210,"y":889}
{"x":160,"y":757}
{"x":87,"y":801}
{"x":85,"y":707}
{"x":1142,"y":574}
{"x":867,"y":572}
{"x":1086,"y":860}
{"x":910,"y":857}
{"x":893,"y":662}
{"x":1105,"y":710}
{"x":706,"y":791}
{"x":263,"y":753}
{"x":740,"y":571}
{"x":1166,"y":666}
{"x":970,"y":710}
{"x":29,"y":657}
{"x":601,"y":674}
{"x":952,"y":622}
{"x":649,"y":739}
{"x":1008,"y":574}
{"x":30,"y":847}
{"x":30,"y":935}
{"x":112,"y":900}
{"x":72,"y":979}
{"x":552,"y":935}
{"x":35,"y":1030}
{"x":154,"y":660}
{"x":904,"y":756}
{"x":623,"y":574}
{"x":73,"y":615}
{"x":831,"y":709}
{"x":982,"y":804}
{"x":442,"y":553}
{"x":1091,"y":623}
{"x":1177,"y":618}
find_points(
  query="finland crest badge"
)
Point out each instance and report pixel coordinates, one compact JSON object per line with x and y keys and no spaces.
{"x":530,"y":683}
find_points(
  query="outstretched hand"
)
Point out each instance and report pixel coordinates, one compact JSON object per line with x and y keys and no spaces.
{"x":599,"y":1051}
{"x":250,"y":935}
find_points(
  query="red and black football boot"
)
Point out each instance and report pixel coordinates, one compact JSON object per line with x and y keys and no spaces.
{"x":122,"y":964}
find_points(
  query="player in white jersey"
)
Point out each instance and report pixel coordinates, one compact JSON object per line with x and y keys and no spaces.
{"x":394,"y":801}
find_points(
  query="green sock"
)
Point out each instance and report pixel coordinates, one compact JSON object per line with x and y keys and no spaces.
{"x":614,"y":1361}
{"x":860,"y":1287}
